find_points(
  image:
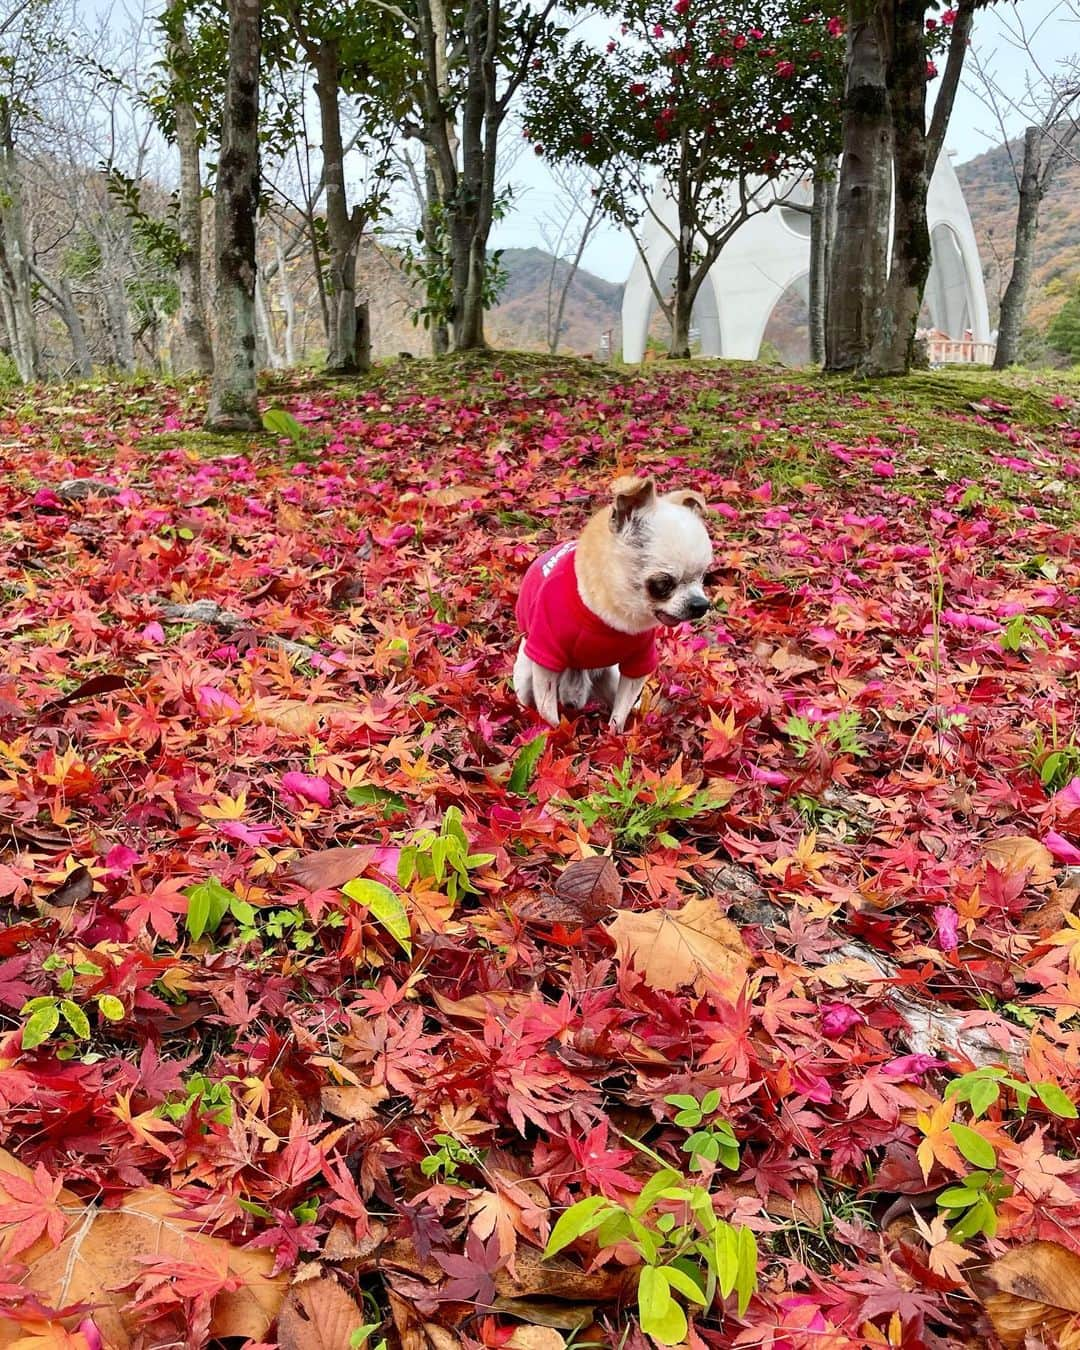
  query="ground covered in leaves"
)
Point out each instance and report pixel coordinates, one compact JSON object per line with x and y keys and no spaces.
{"x":330,"y":981}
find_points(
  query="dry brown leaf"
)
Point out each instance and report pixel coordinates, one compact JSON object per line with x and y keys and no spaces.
{"x":788,"y":661}
{"x":329,"y":869}
{"x":1037,"y":1288}
{"x":592,"y":884}
{"x":412,"y":1331}
{"x":805,"y":1207}
{"x":479,"y":1007}
{"x":539,"y":1312}
{"x":695,"y":945}
{"x":297,"y":717}
{"x":102,"y":1251}
{"x":587,"y":890}
{"x":358,"y":1104}
{"x":1015,"y":854}
{"x":536,"y":1338}
{"x":450,"y":496}
{"x":342,"y":1246}
{"x":318,"y":1316}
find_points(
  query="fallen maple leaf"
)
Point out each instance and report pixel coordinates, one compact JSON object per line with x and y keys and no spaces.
{"x":695,"y":945}
{"x":32,"y":1211}
{"x":1036,"y":1288}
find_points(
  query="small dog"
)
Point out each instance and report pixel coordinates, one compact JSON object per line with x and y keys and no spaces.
{"x":589,"y":610}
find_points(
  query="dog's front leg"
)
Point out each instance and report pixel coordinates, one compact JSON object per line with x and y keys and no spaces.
{"x":626,"y":695}
{"x":545,"y":688}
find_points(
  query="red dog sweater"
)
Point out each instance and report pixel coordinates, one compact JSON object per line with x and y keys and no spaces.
{"x":562,"y":634}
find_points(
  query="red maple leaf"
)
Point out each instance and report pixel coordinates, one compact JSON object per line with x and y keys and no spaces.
{"x":33,"y":1208}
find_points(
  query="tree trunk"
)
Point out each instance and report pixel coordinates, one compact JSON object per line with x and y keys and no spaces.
{"x":362,"y":352}
{"x":440,"y":333}
{"x":860,"y":256}
{"x":22,"y":328}
{"x":1014,"y":302}
{"x":822,"y":220}
{"x":468,"y":237}
{"x":234,"y":394}
{"x":342,"y":229}
{"x":682,"y":302}
{"x":894,"y":342}
{"x":264,"y":330}
{"x":62,"y":299}
{"x":288,"y":300}
{"x":192,"y":353}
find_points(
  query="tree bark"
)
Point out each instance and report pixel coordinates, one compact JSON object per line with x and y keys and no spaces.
{"x":342,"y":228}
{"x":264,"y":329}
{"x":62,"y":299}
{"x":362,"y":353}
{"x":860,"y":256}
{"x":1014,"y":301}
{"x":288,"y":299}
{"x":894,"y":341}
{"x":192,"y":353}
{"x":822,"y":213}
{"x":234,"y":393}
{"x":19,"y":308}
{"x":440,"y":332}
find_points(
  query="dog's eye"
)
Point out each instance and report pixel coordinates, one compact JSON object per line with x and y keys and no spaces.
{"x":660,"y":587}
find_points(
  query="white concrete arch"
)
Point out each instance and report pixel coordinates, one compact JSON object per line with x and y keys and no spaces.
{"x":771,"y":252}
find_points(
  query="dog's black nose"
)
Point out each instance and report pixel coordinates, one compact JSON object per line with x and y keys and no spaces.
{"x":697,"y":606}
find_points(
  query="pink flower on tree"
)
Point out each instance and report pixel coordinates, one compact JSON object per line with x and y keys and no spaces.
{"x":835,"y":26}
{"x":785,"y":69}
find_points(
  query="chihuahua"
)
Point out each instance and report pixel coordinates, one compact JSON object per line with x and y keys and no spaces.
{"x":589,"y":610}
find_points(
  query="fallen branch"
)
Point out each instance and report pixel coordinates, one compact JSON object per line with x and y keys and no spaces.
{"x":928,"y":1029}
{"x":210,"y":612}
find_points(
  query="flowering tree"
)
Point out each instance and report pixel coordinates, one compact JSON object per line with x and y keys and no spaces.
{"x":729,"y":104}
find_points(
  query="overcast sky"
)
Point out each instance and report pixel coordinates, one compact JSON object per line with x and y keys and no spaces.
{"x":1051,"y":27}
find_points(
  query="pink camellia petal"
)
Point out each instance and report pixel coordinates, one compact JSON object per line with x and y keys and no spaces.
{"x":1063,"y":851}
{"x":837,"y":1019}
{"x":813,"y":1087}
{"x":912,"y":1066}
{"x":153,"y":632}
{"x":773,"y":777}
{"x":307,"y":788}
{"x":120,"y":860}
{"x":88,"y":1330}
{"x":215,"y":702}
{"x":948,"y":927}
{"x":256,"y":835}
{"x":386,"y":859}
{"x":1068,"y":799}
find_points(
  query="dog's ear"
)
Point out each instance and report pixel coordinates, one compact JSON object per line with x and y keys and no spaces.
{"x":693,"y":501}
{"x":631,"y":495}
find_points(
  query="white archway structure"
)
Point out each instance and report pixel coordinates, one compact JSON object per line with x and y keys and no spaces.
{"x":771,"y":252}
